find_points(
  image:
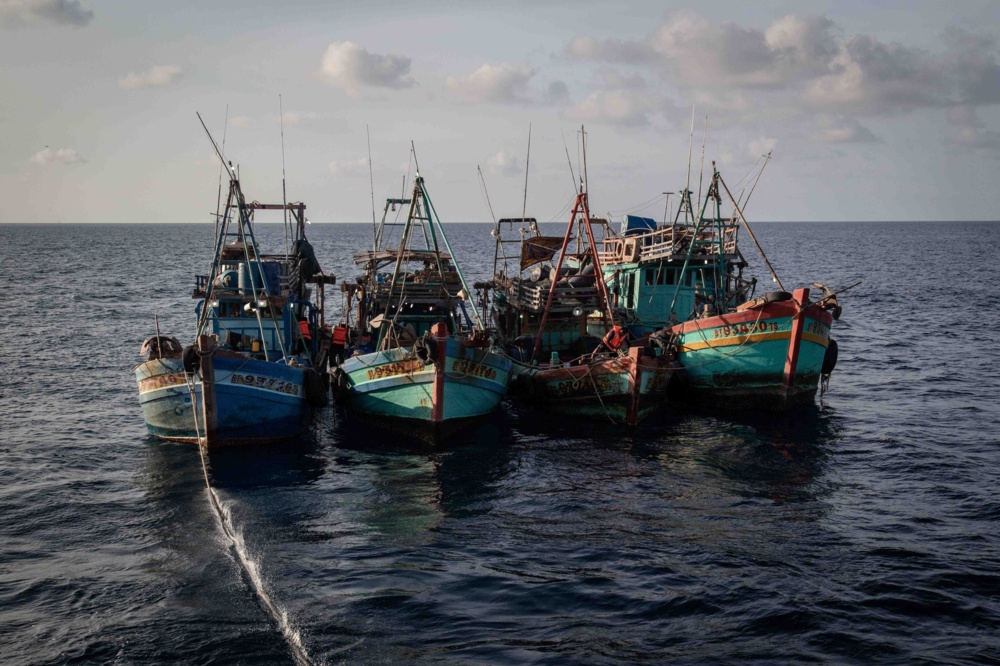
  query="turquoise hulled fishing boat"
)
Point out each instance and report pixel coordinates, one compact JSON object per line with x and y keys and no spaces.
{"x":417,"y":354}
{"x":254,"y":370}
{"x":683,"y":285}
{"x":440,"y":380}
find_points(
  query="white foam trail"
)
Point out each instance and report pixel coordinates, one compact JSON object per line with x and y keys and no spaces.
{"x":280,"y":616}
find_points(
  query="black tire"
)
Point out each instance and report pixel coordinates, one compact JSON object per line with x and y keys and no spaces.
{"x":315,"y":388}
{"x":341,"y":390}
{"x":830,"y":357}
{"x":777,"y":296}
{"x":190,"y":359}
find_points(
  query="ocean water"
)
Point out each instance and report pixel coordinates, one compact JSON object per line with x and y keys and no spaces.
{"x":863,"y":529}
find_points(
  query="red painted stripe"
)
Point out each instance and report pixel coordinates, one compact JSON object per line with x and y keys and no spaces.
{"x":767,"y":311}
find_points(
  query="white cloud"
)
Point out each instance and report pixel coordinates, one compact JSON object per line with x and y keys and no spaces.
{"x":349,"y":167}
{"x":58,"y":12}
{"x":870,"y":77}
{"x":160,"y":75}
{"x":618,"y":51}
{"x":241,"y":121}
{"x":608,"y":78}
{"x":970,"y":132}
{"x":844,"y":130}
{"x":974,"y":137}
{"x":503,"y":164}
{"x":625,"y":108}
{"x":296,"y":117}
{"x":350,"y":66}
{"x":60,"y":156}
{"x":503,"y":83}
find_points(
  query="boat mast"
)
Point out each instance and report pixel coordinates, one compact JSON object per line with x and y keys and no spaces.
{"x":371,"y":183}
{"x":581,"y":216}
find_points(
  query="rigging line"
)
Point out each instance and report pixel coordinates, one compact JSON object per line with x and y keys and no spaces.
{"x":767,"y":158}
{"x":527,"y":163}
{"x":749,"y":174}
{"x":485,"y":193}
{"x":645,"y":204}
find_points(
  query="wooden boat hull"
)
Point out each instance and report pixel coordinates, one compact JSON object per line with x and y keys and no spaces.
{"x":459,"y":383}
{"x":623,"y":390}
{"x":769,"y":357}
{"x":255,"y":400}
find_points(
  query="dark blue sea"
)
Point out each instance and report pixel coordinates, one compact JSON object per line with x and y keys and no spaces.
{"x":863,"y":529}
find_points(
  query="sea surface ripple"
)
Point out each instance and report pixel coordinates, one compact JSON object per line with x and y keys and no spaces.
{"x":863,"y":529}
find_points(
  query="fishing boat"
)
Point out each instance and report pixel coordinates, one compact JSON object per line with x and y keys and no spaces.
{"x":553,"y":316}
{"x":258,"y":360}
{"x":683,"y":284}
{"x":417,"y":354}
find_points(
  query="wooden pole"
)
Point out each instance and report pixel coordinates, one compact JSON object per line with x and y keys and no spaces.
{"x":801,"y":296}
{"x":440,"y":333}
{"x":634,"y":384}
{"x":208,"y":410}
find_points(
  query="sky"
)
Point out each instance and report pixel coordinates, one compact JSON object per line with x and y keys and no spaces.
{"x":883,"y":110}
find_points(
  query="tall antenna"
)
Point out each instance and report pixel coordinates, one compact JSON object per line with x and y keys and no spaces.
{"x":572,"y":176}
{"x":527,"y":163}
{"x":218,"y":197}
{"x":701,"y":176}
{"x":583,"y":143}
{"x":284,"y":198}
{"x":690,"y":147}
{"x":371,"y":182}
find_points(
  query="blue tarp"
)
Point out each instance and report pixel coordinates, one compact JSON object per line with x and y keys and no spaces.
{"x":633,"y":224}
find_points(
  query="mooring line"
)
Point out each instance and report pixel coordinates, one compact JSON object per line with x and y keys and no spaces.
{"x":238,"y":546}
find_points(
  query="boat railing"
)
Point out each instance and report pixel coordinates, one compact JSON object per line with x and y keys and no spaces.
{"x":532,"y":296}
{"x":666,"y":243}
{"x":415,"y":291}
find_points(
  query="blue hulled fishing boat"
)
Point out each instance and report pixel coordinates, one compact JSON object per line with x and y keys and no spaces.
{"x":682,"y":284}
{"x":260,"y":351}
{"x":417,"y":354}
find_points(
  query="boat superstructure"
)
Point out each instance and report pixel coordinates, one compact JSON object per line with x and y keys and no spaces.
{"x":420,"y":351}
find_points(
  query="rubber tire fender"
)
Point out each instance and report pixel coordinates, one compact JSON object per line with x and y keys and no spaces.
{"x":190,"y":360}
{"x":776,"y":296}
{"x":830,"y":357}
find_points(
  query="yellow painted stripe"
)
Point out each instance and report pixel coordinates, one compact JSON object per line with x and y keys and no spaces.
{"x":818,"y":339}
{"x":735,"y":340}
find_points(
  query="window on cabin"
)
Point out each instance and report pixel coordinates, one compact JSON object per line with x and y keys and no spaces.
{"x":650,"y":277}
{"x":687,"y":279}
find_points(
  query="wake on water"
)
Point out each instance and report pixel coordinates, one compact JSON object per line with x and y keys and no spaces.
{"x":252,"y":570}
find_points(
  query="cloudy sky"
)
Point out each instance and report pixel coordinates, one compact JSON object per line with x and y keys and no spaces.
{"x":874,"y":111}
